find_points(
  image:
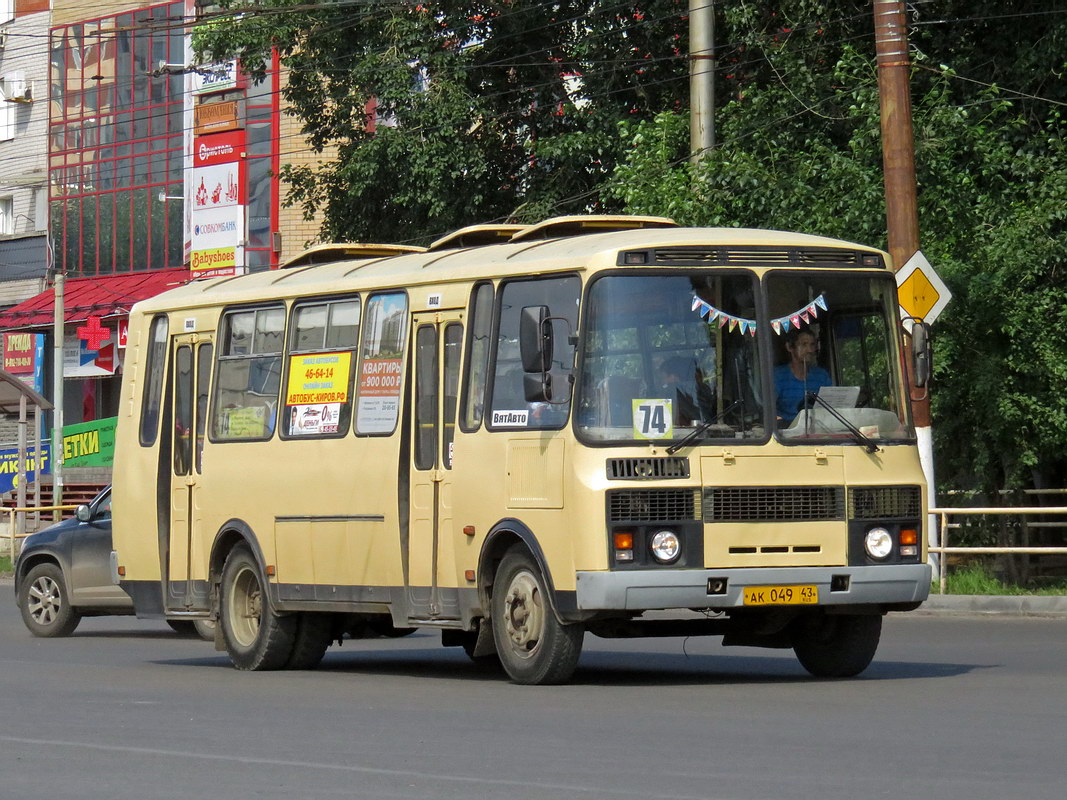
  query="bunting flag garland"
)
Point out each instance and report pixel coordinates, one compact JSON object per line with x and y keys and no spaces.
{"x":802,"y":316}
{"x":711,"y":314}
{"x":795,"y":320}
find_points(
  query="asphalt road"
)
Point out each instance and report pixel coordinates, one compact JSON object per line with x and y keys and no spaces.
{"x":953,"y":707}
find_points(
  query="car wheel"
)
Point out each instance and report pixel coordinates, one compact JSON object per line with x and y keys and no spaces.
{"x":45,"y":603}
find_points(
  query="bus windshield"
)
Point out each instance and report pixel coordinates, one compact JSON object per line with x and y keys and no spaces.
{"x":837,"y":365}
{"x":664,"y":354}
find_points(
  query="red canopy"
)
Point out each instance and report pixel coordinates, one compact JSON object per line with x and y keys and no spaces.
{"x":104,"y":296}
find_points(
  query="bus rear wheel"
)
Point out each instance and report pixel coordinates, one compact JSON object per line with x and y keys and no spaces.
{"x":534,"y":648}
{"x":837,"y":646}
{"x":256,"y":637}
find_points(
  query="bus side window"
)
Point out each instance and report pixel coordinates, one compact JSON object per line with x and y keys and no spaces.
{"x":155,"y":363}
{"x":481,"y":329}
{"x":381,"y":368}
{"x":510,"y":409}
{"x":321,"y":368}
{"x":249,"y":370}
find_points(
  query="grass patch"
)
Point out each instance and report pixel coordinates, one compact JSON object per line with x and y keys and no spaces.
{"x":5,"y":566}
{"x":979,"y":579}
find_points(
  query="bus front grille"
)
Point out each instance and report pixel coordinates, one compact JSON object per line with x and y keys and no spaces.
{"x":653,"y":505}
{"x":884,"y":502}
{"x":773,"y":503}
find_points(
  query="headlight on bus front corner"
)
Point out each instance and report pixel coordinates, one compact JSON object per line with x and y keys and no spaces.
{"x":878,"y":543}
{"x":665,"y":546}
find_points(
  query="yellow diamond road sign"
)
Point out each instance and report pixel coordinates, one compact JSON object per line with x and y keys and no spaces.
{"x":920,"y":290}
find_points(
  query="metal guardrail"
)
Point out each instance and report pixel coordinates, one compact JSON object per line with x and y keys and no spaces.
{"x":12,"y":536}
{"x":943,"y":549}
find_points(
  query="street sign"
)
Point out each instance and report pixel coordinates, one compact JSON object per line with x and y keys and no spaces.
{"x":920,"y":291}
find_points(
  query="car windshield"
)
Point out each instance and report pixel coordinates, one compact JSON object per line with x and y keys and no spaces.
{"x":665,"y":354}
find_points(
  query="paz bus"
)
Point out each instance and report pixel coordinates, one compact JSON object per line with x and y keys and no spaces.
{"x":524,"y":434}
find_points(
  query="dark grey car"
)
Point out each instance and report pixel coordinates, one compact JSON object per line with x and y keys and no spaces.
{"x":64,"y":573}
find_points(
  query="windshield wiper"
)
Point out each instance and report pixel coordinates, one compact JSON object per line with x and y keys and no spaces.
{"x":860,"y":437}
{"x":699,"y":431}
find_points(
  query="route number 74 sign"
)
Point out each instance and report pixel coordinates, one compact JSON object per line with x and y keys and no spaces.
{"x":653,"y":419}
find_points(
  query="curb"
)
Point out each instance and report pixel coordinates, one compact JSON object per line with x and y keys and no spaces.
{"x":980,"y":604}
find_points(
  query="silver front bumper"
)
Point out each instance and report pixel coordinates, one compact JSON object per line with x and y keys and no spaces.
{"x":638,"y":590}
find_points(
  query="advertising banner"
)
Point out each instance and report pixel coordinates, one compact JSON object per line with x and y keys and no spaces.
{"x":218,"y":148}
{"x":218,"y":240}
{"x":79,"y":361}
{"x":9,"y":465}
{"x":90,"y":444}
{"x":218,"y":77}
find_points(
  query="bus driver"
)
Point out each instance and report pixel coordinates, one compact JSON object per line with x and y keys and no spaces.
{"x":801,"y":375}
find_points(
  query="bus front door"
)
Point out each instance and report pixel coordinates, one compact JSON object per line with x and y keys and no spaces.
{"x":431,"y":573}
{"x":190,"y":375}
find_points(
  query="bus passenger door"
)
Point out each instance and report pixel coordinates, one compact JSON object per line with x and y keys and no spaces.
{"x":435,"y":392}
{"x":190,"y":375}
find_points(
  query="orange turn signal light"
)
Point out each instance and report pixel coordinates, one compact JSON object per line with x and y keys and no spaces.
{"x":909,"y":537}
{"x":624,"y":541}
{"x":469,"y":575}
{"x":122,"y":572}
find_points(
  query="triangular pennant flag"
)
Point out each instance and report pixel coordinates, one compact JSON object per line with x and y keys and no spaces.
{"x":752,"y":328}
{"x":744,"y":326}
{"x":777,"y":325}
{"x":733,"y":324}
{"x":697,"y":302}
{"x":714,"y":313}
{"x":795,"y":319}
{"x":804,"y":316}
{"x":813,"y":310}
{"x":705,"y":309}
{"x":785,"y":325}
{"x":820,"y":301}
{"x":722,"y":319}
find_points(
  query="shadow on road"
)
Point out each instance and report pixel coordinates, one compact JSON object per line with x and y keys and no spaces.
{"x":600,"y":668}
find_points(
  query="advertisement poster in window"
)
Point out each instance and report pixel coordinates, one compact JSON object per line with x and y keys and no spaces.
{"x":381,"y":370}
{"x":318,"y":387}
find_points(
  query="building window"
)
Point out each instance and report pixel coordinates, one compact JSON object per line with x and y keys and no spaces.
{"x":7,"y":216}
{"x":116,"y":142}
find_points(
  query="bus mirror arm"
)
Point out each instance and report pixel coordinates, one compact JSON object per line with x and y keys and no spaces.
{"x":535,"y":339}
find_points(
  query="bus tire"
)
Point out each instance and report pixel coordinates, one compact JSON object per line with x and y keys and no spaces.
{"x":837,"y":646}
{"x":256,"y":637}
{"x":533,"y":647}
{"x":314,"y":632}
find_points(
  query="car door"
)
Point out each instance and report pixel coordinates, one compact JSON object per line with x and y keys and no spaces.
{"x":90,"y":558}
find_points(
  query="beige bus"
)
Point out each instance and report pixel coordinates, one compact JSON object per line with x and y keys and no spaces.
{"x":522,"y":435}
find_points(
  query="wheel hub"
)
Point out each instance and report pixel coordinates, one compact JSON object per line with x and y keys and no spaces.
{"x":523,"y":613}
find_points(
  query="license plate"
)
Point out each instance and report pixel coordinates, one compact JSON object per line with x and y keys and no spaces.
{"x":781,"y":595}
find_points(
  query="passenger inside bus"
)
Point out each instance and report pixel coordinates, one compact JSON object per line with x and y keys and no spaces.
{"x":799,"y":376}
{"x":682,"y":383}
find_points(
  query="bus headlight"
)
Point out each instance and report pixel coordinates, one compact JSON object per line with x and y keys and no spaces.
{"x":665,"y":546}
{"x":878,"y":543}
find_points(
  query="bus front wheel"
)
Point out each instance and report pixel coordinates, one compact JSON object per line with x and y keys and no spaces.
{"x":256,"y":637}
{"x":534,"y":648}
{"x":837,"y":646}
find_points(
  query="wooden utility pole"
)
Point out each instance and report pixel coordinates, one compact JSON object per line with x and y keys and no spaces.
{"x":901,"y":204}
{"x":701,"y":79}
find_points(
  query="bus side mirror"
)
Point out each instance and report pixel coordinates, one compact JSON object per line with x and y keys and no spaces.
{"x":535,"y":339}
{"x":921,"y":357}
{"x":83,"y":513}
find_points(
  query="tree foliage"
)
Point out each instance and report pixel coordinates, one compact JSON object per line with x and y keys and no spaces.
{"x":522,"y":109}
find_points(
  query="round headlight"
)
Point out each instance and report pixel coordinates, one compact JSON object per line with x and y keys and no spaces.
{"x":878,"y":543}
{"x":665,"y":546}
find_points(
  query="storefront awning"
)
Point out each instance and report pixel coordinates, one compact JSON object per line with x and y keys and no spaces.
{"x":106,"y":296}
